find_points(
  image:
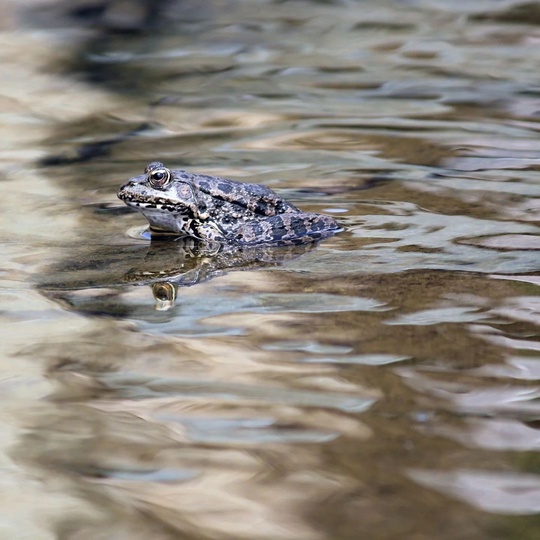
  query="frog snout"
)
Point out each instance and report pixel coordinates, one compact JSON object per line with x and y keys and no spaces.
{"x":122,"y":191}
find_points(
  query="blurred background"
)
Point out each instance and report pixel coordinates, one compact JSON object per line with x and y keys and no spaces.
{"x":383,"y":384}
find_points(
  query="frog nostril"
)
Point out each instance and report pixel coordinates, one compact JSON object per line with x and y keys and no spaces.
{"x":122,"y":191}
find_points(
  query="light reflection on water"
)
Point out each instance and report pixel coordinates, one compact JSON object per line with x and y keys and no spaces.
{"x":384,"y":381}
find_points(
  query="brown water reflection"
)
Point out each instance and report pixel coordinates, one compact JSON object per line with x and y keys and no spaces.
{"x":381,"y":384}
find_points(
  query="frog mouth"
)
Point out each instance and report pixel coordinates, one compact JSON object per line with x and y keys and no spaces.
{"x":148,"y":203}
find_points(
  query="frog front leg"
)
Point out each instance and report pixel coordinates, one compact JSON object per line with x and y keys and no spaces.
{"x":287,"y":228}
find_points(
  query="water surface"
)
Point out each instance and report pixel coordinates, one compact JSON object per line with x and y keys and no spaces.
{"x":383,"y":383}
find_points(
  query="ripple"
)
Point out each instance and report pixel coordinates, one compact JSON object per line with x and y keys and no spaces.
{"x":358,"y":359}
{"x":499,"y":492}
{"x":439,"y":316}
{"x":140,"y":387}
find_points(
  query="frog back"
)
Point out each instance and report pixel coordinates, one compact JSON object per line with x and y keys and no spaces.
{"x":255,"y":198}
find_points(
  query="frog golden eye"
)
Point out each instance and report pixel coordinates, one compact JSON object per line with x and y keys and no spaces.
{"x":159,"y":178}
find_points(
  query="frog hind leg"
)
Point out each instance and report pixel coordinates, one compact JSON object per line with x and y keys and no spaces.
{"x":286,"y":229}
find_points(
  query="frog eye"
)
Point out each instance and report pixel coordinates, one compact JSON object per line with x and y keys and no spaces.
{"x":159,"y":178}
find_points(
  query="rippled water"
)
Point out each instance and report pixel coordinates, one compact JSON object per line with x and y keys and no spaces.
{"x":383,"y":384}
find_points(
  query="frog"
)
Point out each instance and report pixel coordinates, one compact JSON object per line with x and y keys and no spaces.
{"x":215,"y":209}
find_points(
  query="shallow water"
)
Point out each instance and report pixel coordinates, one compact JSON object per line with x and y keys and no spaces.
{"x":382,"y":384}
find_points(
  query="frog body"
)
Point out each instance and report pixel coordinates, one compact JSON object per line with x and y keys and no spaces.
{"x":211,"y":208}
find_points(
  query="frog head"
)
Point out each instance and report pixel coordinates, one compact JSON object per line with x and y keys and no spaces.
{"x":166,"y":198}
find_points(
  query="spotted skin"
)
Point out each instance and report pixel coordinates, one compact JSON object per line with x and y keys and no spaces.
{"x":218,"y":209}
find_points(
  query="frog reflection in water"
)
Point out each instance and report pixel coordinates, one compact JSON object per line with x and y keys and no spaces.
{"x":216,"y":209}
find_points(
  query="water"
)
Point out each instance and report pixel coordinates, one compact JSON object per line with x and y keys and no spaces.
{"x":383,"y":384}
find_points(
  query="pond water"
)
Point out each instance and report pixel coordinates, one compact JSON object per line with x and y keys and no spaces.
{"x":383,"y":384}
